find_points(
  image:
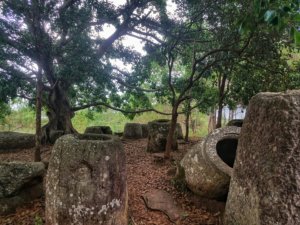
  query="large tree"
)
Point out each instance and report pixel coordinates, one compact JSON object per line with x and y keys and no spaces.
{"x":61,"y":40}
{"x":194,"y":44}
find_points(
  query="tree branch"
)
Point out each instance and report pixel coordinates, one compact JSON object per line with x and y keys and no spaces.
{"x":66,"y":5}
{"x":123,"y":83}
{"x":118,"y":109}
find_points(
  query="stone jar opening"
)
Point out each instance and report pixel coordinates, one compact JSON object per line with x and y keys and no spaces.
{"x":226,"y":150}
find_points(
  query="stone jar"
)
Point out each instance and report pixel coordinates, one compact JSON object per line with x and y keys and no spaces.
{"x":14,"y":140}
{"x":98,"y":130}
{"x":157,"y":137}
{"x":133,"y":131}
{"x":208,"y":165}
{"x":265,"y":185}
{"x":86,"y":181}
{"x":145,"y":130}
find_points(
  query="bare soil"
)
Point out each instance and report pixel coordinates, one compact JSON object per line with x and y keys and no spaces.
{"x":145,"y":173}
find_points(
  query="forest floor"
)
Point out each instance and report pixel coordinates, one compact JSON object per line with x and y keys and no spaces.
{"x":144,"y":174}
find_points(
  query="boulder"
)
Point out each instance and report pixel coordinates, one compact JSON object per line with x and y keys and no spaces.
{"x":145,"y":130}
{"x":20,"y":182}
{"x":162,"y":201}
{"x":235,"y":122}
{"x":265,"y":184}
{"x":133,"y":131}
{"x":14,"y":140}
{"x":98,"y":130}
{"x":86,"y":181}
{"x":157,"y":138}
{"x":207,"y":167}
{"x":179,"y":131}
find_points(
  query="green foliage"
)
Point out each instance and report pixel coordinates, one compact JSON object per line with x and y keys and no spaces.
{"x":38,"y":220}
{"x":282,"y":15}
{"x":4,"y":111}
{"x":63,"y":41}
{"x":23,"y":120}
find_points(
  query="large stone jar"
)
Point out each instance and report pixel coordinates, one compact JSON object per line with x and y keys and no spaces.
{"x":13,"y":140}
{"x":86,"y":181}
{"x":208,"y":165}
{"x":157,"y":137}
{"x":133,"y":131}
{"x":98,"y":130}
{"x":265,"y":185}
{"x":145,"y":130}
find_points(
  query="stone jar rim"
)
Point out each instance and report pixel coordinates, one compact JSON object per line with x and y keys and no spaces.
{"x":209,"y":151}
{"x":95,"y":137}
{"x":161,"y":121}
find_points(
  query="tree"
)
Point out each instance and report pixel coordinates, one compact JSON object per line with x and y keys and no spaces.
{"x":193,"y":43}
{"x":61,"y":39}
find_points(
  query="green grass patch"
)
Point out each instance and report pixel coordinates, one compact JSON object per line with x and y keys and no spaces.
{"x":23,"y":120}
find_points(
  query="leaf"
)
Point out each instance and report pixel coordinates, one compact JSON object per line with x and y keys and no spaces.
{"x":270,"y":15}
{"x":297,"y":37}
{"x":296,"y":18}
{"x":286,"y":9}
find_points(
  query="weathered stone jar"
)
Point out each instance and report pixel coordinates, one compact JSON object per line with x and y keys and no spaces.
{"x":14,"y":140}
{"x":208,"y":165}
{"x":86,"y":181}
{"x":235,"y":123}
{"x":133,"y":131}
{"x":145,"y":130}
{"x":98,"y":130}
{"x":265,"y":185}
{"x":157,"y":137}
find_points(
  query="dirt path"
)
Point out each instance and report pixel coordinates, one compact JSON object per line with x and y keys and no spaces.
{"x":144,"y":174}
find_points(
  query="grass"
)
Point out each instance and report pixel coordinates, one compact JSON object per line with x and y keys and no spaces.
{"x":23,"y":120}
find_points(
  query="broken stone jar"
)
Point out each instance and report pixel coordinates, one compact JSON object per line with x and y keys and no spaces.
{"x":208,"y":165}
{"x":86,"y":181}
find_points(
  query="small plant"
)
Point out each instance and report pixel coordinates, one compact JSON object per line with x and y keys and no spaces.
{"x":178,"y":181}
{"x":38,"y":220}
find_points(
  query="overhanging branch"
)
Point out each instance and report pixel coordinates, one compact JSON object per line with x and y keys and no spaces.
{"x":118,"y":109}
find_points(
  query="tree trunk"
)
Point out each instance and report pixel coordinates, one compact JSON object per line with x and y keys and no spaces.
{"x":219,"y":117}
{"x":59,"y":113}
{"x":222,"y":83}
{"x":171,"y":133}
{"x":38,"y":119}
{"x":187,"y":126}
{"x":231,"y":114}
{"x":212,"y":122}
